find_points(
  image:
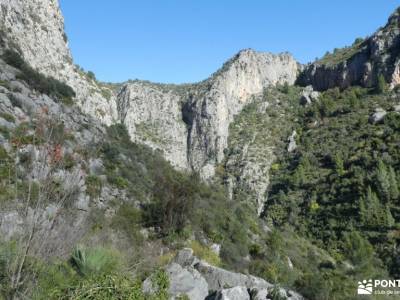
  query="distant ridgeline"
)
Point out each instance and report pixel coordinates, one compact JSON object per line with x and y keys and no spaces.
{"x":286,"y":175}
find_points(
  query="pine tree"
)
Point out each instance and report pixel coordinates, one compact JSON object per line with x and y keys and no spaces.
{"x":394,"y":188}
{"x":381,"y":87}
{"x":372,"y":212}
{"x":339,"y":164}
{"x":389,"y":220}
{"x":383,"y":181}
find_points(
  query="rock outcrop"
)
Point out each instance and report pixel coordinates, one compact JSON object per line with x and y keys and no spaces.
{"x":227,"y":92}
{"x":361,"y":63}
{"x":188,"y":123}
{"x":35,"y":28}
{"x":153,"y":116}
{"x":190,"y":276}
{"x":156,"y":114}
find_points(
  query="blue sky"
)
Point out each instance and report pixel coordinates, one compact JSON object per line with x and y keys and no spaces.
{"x":178,"y":41}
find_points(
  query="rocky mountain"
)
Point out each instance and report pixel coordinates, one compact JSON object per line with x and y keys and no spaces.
{"x":190,"y":123}
{"x":36,"y":30}
{"x":266,"y":178}
{"x":360,"y":63}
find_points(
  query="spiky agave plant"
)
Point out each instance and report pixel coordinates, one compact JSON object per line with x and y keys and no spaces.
{"x":95,"y":261}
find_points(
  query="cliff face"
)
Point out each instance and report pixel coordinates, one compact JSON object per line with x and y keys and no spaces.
{"x":361,"y":63}
{"x":36,"y":29}
{"x":152,"y":115}
{"x":214,"y":106}
{"x":156,"y":114}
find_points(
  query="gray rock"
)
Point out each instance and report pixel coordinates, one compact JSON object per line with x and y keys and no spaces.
{"x":396,"y":108}
{"x":377,"y":116}
{"x":216,"y":248}
{"x":292,"y":142}
{"x":370,"y":58}
{"x":186,"y":258}
{"x":17,"y":86}
{"x":235,"y":293}
{"x":183,"y":281}
{"x":218,"y":278}
{"x":308,"y":96}
{"x":259,"y":294}
{"x":5,"y":123}
{"x":96,"y":166}
{"x":4,"y":101}
{"x":36,"y":27}
{"x":292,"y":295}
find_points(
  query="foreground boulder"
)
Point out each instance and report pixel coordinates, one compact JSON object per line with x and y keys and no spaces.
{"x":189,"y":276}
{"x":236,"y":293}
{"x":182,"y":282}
{"x":218,"y":278}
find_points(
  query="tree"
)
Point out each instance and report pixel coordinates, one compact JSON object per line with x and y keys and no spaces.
{"x":383,"y":181}
{"x":358,"y":250}
{"x":373,"y":213}
{"x":339,"y":164}
{"x":34,"y":196}
{"x":382,"y":86}
{"x":394,"y":189}
{"x":358,"y":41}
{"x":91,"y":75}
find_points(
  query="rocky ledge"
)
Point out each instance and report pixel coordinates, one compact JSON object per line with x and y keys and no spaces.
{"x":196,"y":279}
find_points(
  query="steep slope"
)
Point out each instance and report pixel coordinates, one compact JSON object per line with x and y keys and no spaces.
{"x":258,"y":136}
{"x":213,"y":107}
{"x":35,"y":28}
{"x":153,"y":115}
{"x":156,"y":114}
{"x":361,"y":63}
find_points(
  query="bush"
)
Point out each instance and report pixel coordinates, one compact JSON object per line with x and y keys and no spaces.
{"x":381,"y":86}
{"x":128,"y":219}
{"x":91,"y":75}
{"x":93,"y":186}
{"x":89,"y":262}
{"x":105,"y":287}
{"x":205,"y":253}
{"x":7,"y":117}
{"x":43,"y":84}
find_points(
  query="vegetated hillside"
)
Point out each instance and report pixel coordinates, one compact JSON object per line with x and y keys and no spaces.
{"x":88,"y":214}
{"x":361,"y":63}
{"x":340,"y":188}
{"x":88,"y":211}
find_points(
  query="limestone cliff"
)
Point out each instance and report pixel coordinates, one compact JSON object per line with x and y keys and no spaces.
{"x":224,"y":95}
{"x":361,"y":63}
{"x":35,"y":28}
{"x":156,"y":114}
{"x":152,"y":115}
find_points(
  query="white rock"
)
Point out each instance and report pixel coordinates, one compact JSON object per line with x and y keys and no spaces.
{"x":292,"y":142}
{"x":378,"y":115}
{"x":235,"y":293}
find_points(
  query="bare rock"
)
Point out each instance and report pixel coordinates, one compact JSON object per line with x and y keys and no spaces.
{"x":235,"y":293}
{"x":377,"y":116}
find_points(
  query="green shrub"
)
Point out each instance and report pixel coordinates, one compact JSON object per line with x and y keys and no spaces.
{"x":7,"y":117}
{"x":88,"y":262}
{"x":128,"y":219}
{"x":205,"y":253}
{"x":38,"y":81}
{"x":381,"y":86}
{"x":93,"y":186}
{"x":91,"y":75}
{"x":105,"y":287}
